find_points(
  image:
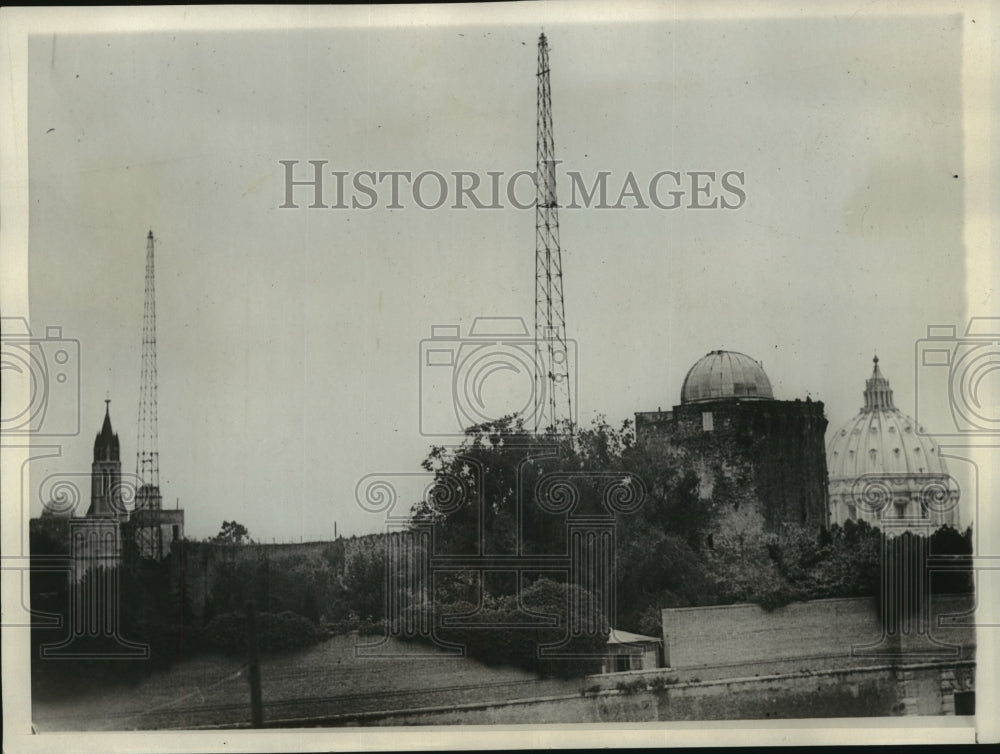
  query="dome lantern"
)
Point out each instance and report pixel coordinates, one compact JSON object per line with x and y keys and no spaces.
{"x":878,"y":394}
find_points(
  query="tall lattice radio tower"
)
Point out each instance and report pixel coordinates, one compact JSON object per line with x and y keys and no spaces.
{"x":553,"y":399}
{"x":149,"y":536}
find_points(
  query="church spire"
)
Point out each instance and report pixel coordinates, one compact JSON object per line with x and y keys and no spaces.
{"x":106,"y":472}
{"x":106,"y":446}
{"x":878,"y":394}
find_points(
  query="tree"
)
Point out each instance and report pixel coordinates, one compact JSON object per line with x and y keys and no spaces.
{"x":517,"y":493}
{"x":364,"y":582}
{"x":231,"y":533}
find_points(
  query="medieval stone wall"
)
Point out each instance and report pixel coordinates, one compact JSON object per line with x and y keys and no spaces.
{"x":198,"y":563}
{"x":760,"y":463}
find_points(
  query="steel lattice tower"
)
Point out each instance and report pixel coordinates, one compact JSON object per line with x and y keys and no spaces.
{"x":553,"y":402}
{"x":147,"y":461}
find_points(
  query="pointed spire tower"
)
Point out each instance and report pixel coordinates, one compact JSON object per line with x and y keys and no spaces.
{"x":553,"y":401}
{"x":106,"y":473}
{"x":147,"y":462}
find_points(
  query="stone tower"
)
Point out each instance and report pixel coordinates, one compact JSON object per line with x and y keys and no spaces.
{"x":760,"y":462}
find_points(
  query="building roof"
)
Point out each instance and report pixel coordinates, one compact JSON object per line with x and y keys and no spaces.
{"x":106,"y":443}
{"x":721,"y":375}
{"x":617,"y":636}
{"x":881,"y":439}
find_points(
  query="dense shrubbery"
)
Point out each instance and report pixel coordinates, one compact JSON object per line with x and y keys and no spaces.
{"x":276,"y":632}
{"x":797,"y":564}
{"x":351,"y":623}
{"x":151,"y":611}
{"x":503,"y":631}
{"x":335,"y":588}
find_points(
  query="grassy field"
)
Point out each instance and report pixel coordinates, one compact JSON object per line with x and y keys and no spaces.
{"x":325,"y":680}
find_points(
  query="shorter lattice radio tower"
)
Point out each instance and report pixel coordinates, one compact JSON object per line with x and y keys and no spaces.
{"x":149,"y":537}
{"x":553,"y":399}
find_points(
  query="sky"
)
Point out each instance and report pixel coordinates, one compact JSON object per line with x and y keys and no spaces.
{"x":289,"y":340}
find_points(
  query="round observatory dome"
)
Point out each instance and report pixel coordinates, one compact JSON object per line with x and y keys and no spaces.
{"x":720,"y":375}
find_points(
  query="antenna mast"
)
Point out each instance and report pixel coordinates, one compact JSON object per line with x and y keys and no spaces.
{"x":147,"y":462}
{"x":553,"y":402}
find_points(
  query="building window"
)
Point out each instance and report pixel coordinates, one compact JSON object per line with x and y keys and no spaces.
{"x":176,"y":531}
{"x":707,"y":421}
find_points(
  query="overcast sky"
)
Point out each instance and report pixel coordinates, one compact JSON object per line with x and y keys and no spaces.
{"x":289,"y":339}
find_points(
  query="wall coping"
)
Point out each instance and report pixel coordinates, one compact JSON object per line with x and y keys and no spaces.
{"x":755,"y":605}
{"x":942,"y":597}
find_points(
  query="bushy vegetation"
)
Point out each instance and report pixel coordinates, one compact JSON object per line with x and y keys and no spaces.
{"x":149,"y":612}
{"x":276,"y":632}
{"x":798,"y":564}
{"x":298,"y":598}
{"x":534,"y":632}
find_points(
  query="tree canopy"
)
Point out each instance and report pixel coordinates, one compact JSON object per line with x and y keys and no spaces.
{"x":232,"y":533}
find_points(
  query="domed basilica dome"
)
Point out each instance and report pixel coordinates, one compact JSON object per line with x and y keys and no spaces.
{"x":719,"y":375}
{"x":882,"y":456}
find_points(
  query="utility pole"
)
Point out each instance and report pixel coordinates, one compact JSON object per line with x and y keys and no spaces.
{"x":253,"y":657}
{"x":553,"y":402}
